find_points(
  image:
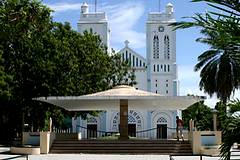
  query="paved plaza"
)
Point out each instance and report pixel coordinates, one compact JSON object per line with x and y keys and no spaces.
{"x":5,"y":155}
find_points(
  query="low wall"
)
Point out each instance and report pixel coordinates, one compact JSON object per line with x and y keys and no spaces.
{"x":46,"y":140}
{"x":205,"y":142}
{"x":42,"y":139}
{"x":31,"y":138}
{"x":30,"y":144}
{"x":25,"y":150}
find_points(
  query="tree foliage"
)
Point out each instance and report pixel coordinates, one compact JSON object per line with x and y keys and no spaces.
{"x":201,"y":114}
{"x":230,"y":136}
{"x":5,"y":79}
{"x":233,"y":106}
{"x":40,"y":57}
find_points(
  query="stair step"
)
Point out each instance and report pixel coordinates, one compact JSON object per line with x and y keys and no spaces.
{"x":125,"y":147}
{"x":119,"y":151}
{"x":130,"y":145}
{"x":124,"y":141}
{"x":169,"y":147}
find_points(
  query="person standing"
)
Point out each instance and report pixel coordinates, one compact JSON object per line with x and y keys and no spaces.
{"x":179,"y":128}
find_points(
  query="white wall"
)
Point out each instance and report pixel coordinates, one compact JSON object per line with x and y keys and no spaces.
{"x":141,"y":79}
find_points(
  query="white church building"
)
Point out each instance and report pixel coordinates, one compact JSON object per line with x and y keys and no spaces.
{"x":157,"y":73}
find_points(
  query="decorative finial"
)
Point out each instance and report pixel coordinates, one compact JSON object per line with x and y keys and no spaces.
{"x":169,"y":8}
{"x":84,"y":8}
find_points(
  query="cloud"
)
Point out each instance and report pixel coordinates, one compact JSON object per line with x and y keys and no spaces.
{"x":63,"y":7}
{"x":188,"y":80}
{"x":122,"y":18}
{"x":122,"y":21}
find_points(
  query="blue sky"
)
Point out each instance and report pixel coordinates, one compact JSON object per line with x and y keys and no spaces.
{"x":127,"y":19}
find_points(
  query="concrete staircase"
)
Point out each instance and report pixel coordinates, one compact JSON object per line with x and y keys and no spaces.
{"x":163,"y":147}
{"x":235,"y":154}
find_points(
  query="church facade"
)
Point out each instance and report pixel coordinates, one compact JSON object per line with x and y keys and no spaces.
{"x":157,"y":73}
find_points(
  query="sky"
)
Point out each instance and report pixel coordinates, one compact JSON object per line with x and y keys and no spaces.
{"x":127,"y":21}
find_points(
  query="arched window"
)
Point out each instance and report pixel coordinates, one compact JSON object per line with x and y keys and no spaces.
{"x":161,"y":120}
{"x":166,"y":47}
{"x":131,"y":119}
{"x":155,"y":47}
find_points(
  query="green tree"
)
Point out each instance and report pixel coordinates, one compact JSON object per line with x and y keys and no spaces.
{"x":201,"y":114}
{"x":230,"y":135}
{"x":233,"y":106}
{"x":132,"y":77}
{"x":45,"y":58}
{"x":5,"y":79}
{"x":230,"y":129}
{"x":221,"y":115}
{"x":120,"y":72}
{"x":23,"y":25}
{"x":219,"y":66}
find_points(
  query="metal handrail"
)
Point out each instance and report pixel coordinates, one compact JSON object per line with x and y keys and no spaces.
{"x":147,"y":133}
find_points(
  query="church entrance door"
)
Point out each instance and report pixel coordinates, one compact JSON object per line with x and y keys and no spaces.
{"x":91,"y":131}
{"x":161,"y":131}
{"x":132,"y":130}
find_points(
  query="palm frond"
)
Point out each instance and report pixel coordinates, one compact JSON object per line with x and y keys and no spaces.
{"x":183,"y":25}
{"x":234,"y":4}
{"x":231,"y":12}
{"x":224,"y":15}
{"x":204,"y":58}
{"x":208,"y":76}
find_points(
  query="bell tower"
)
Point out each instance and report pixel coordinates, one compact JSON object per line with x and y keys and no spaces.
{"x":161,"y":52}
{"x":96,"y":22}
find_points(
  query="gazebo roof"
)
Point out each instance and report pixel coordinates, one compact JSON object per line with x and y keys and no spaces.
{"x":109,"y":99}
{"x":121,"y":92}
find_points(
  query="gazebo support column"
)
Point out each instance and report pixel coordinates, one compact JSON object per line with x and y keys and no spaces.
{"x":123,"y":119}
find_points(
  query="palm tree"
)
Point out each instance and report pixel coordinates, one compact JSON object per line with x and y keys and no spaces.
{"x":219,"y":66}
{"x":200,"y":113}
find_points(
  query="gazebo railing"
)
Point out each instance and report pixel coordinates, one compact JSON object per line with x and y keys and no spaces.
{"x":93,"y":134}
{"x":153,"y":133}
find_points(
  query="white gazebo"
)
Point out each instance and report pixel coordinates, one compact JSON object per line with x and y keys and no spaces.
{"x":123,"y":97}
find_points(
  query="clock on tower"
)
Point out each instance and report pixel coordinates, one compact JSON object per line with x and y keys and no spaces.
{"x":161,"y":29}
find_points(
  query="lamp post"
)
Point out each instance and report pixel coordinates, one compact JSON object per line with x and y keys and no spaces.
{"x":214,"y":111}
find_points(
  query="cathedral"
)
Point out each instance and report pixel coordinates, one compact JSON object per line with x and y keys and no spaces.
{"x":157,"y":73}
